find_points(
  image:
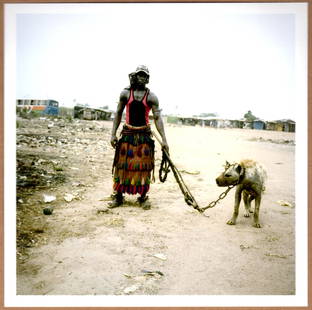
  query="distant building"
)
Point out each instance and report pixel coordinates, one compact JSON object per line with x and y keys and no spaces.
{"x":235,"y":123}
{"x":258,"y":124}
{"x":289,"y":125}
{"x":281,"y":125}
{"x":88,"y":113}
{"x":247,"y":125}
{"x":271,"y":125}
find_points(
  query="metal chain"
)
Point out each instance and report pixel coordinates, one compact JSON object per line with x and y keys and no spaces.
{"x":165,"y":166}
{"x":166,"y":163}
{"x":221,"y":196}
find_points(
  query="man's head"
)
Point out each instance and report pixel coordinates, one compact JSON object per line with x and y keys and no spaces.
{"x":142,"y":69}
{"x":140,"y":76}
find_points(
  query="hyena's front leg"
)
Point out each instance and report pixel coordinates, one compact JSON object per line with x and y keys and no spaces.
{"x":256,"y":214}
{"x":247,"y":202}
{"x":238,"y":197}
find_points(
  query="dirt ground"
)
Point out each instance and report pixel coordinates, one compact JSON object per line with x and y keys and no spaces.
{"x":83,"y":248}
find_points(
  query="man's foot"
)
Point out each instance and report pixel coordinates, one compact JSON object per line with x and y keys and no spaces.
{"x":117,"y":201}
{"x":144,"y":202}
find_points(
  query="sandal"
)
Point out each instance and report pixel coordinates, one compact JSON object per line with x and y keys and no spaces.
{"x":117,"y":201}
{"x":144,"y":203}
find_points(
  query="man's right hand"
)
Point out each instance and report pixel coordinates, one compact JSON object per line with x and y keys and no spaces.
{"x":114,"y":141}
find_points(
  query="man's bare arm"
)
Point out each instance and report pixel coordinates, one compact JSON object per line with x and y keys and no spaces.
{"x":118,"y":117}
{"x":153,"y":100}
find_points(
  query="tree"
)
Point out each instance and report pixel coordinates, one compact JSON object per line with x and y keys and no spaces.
{"x":249,"y":116}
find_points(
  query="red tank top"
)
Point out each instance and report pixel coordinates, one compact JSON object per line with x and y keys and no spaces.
{"x":137,"y":111}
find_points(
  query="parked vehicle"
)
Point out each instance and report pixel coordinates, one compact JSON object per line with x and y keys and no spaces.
{"x":47,"y":107}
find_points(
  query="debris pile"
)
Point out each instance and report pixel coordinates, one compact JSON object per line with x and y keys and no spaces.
{"x":55,"y":162}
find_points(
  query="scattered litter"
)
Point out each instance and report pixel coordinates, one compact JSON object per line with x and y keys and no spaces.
{"x":103,"y":210}
{"x":160,"y":256}
{"x":189,"y":172}
{"x":58,"y":168}
{"x":131,"y":289}
{"x":152,"y":273}
{"x":272,"y":239}
{"x":48,"y":210}
{"x":285,"y":203}
{"x":109,"y":198}
{"x":48,"y":198}
{"x":74,"y":168}
{"x":275,"y":255}
{"x":69,"y":197}
{"x":78,"y":184}
{"x":244,"y":247}
{"x":128,"y":275}
{"x":113,"y":222}
{"x":206,"y":214}
{"x":41,"y":161}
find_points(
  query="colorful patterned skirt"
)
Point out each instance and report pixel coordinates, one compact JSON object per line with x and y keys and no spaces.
{"x":134,"y":160}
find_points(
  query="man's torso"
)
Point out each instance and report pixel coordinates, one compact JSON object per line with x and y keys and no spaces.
{"x":137,"y":107}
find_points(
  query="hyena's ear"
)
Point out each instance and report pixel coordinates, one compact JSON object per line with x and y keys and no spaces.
{"x":238,"y":168}
{"x":227,"y":164}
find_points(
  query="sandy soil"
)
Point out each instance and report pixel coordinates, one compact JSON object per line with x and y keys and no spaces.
{"x":83,"y":248}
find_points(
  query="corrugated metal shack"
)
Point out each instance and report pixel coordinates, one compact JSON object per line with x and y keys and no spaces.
{"x":258,"y":124}
{"x":88,"y":113}
{"x":281,"y":125}
{"x":235,"y":123}
{"x":289,"y":125}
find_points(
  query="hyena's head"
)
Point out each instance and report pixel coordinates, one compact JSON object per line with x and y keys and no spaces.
{"x":231,"y":175}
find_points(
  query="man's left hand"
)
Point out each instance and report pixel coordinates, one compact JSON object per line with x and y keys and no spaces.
{"x":165,"y":146}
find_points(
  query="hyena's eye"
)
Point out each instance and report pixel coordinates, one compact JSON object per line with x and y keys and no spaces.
{"x":227,"y":175}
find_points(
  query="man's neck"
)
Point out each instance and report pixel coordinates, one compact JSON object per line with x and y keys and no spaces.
{"x":139,"y":87}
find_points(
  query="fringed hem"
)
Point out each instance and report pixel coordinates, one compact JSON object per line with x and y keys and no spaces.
{"x":131,"y":189}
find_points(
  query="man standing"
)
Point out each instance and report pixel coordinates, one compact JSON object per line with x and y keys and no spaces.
{"x":134,"y":151}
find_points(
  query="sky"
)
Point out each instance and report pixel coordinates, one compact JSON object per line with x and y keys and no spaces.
{"x":203,"y":58}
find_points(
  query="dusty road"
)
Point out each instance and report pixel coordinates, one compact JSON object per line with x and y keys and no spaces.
{"x":85,"y":249}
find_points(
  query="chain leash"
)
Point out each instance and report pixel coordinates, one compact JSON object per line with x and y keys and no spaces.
{"x":165,"y":166}
{"x":221,"y":196}
{"x":164,"y":169}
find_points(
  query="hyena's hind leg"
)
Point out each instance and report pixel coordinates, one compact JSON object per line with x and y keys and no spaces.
{"x":247,"y":202}
{"x":256,"y":214}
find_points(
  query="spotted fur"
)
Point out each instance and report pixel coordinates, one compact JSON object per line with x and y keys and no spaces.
{"x":249,"y":178}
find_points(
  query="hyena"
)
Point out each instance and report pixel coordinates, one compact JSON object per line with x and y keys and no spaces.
{"x":249,"y":178}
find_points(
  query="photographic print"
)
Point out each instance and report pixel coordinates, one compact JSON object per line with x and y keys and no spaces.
{"x":157,"y":154}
